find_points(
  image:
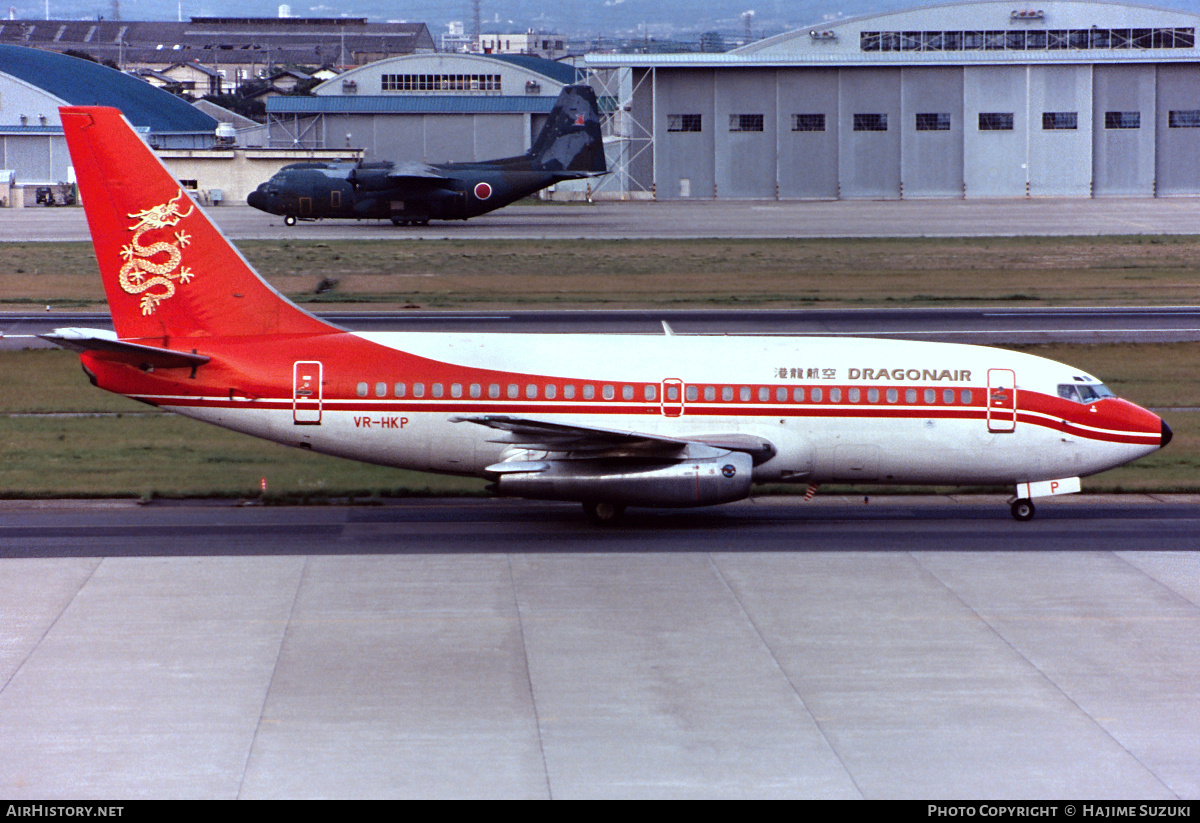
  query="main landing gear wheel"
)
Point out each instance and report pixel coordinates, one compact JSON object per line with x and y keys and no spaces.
{"x":1023,"y":510}
{"x":396,"y":221}
{"x":289,"y":220}
{"x":604,"y":514}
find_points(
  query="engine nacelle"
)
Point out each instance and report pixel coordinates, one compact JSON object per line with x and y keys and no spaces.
{"x":652,"y":483}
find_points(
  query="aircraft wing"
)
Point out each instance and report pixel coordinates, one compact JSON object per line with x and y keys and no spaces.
{"x":593,"y":441}
{"x":415,"y":171}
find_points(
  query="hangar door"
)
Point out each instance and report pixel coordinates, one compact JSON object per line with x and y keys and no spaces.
{"x":807,"y":133}
{"x":1123,"y":116}
{"x":931,"y":130}
{"x":1178,"y":132}
{"x":744,"y":133}
{"x":869,"y":133}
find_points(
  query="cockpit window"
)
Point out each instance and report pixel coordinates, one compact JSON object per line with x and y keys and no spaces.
{"x":1084,"y":392}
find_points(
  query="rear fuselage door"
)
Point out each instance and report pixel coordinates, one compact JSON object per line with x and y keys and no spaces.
{"x":1002,"y":400}
{"x":306,"y":393}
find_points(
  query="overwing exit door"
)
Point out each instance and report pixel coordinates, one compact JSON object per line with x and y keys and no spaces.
{"x":306,"y":393}
{"x":672,"y":397}
{"x":1002,"y":400}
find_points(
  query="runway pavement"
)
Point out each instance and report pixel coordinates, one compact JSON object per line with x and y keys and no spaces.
{"x":990,"y":326}
{"x":850,"y":647}
{"x":890,"y":647}
{"x":724,"y":218}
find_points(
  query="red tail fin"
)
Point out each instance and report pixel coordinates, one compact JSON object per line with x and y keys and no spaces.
{"x":168,"y":271}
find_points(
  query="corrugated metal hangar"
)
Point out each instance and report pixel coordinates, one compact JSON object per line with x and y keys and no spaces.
{"x":969,"y":99}
{"x":429,"y":107}
{"x":34,"y":83}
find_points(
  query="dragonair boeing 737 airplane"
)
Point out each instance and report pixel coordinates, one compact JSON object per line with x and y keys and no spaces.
{"x":605,"y":420}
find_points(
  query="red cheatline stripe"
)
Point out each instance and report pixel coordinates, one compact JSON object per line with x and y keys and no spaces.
{"x":461,"y":406}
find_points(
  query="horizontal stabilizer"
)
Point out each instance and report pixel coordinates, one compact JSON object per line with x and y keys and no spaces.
{"x":100,"y":340}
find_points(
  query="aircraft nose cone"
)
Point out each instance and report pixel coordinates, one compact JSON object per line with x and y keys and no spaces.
{"x":1167,"y":434}
{"x":257,"y":199}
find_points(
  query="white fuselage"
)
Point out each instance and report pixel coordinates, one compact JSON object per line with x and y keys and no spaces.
{"x":835,"y":409}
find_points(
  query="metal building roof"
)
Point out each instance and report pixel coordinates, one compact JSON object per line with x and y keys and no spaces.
{"x":222,"y":40}
{"x":411,"y":104}
{"x":558,"y":72}
{"x":975,"y":32}
{"x":84,"y":83}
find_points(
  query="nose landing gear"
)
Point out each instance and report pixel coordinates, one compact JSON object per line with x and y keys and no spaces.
{"x":1023,"y":510}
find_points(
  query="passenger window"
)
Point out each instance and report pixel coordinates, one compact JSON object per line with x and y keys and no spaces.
{"x":947,"y":396}
{"x":910,"y":395}
{"x":476,"y":390}
{"x":361,"y":389}
{"x":727,"y":393}
{"x":399,"y":389}
{"x":693,"y":393}
{"x":817,"y":394}
{"x":627,"y":392}
{"x":710,"y":393}
{"x":764,"y":394}
{"x":551,"y":391}
{"x":589,"y":391}
{"x":855,"y":395}
{"x":514,"y":391}
{"x":569,"y":391}
{"x":930,"y":396}
{"x":781,"y":395}
{"x":381,"y":389}
{"x":439,"y":390}
{"x":872,"y":395}
{"x":648,"y":393}
{"x":965,"y":397}
{"x":609,"y":392}
{"x":798,"y":395}
{"x":531,"y":391}
{"x":493,"y":390}
{"x":744,"y":394}
{"x":893,"y":395}
{"x":418,"y":389}
{"x":672,"y":392}
{"x":835,"y":395}
{"x":456,"y":389}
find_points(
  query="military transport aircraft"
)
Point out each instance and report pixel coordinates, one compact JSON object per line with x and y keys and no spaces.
{"x":606,"y":420}
{"x":568,"y":147}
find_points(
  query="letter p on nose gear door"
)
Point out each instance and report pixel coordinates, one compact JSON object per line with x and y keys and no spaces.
{"x":306,"y":393}
{"x":1002,"y":400}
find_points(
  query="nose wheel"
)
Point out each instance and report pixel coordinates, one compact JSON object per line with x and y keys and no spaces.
{"x":1023,"y":510}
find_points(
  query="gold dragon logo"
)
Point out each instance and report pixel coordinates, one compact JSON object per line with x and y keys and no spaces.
{"x":145,"y":272}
